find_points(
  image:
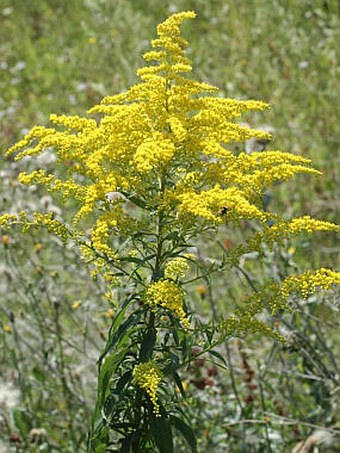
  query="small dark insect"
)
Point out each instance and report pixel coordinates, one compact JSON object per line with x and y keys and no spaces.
{"x":224,"y":210}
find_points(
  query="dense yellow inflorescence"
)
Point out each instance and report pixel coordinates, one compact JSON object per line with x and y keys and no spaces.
{"x":278,"y":231}
{"x":7,"y":218}
{"x":176,"y":268}
{"x":161,"y":147}
{"x":167,"y":121}
{"x":276,"y":295}
{"x":148,"y":376}
{"x":166,"y":294}
{"x":309,"y":282}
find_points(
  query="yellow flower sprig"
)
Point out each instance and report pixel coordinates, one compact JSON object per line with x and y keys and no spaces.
{"x":309,"y":282}
{"x":166,"y":294}
{"x":147,"y":376}
{"x":176,"y":268}
{"x":277,"y":232}
{"x":167,"y":126}
{"x":276,"y":295}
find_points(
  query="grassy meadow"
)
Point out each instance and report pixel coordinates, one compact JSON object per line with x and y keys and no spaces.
{"x":63,"y":56}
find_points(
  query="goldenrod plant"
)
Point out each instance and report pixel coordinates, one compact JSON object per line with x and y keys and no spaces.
{"x":146,"y":173}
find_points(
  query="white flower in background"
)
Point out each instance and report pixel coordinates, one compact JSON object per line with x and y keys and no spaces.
{"x":9,"y":395}
{"x":47,"y":157}
{"x":113,"y":196}
{"x":303,"y":64}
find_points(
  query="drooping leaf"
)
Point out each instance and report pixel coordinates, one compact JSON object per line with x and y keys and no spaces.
{"x":125,"y":379}
{"x":126,"y":443}
{"x":173,"y":365}
{"x":179,"y":384}
{"x":120,"y":331}
{"x":133,"y":259}
{"x":99,"y":439}
{"x":186,"y":431}
{"x":161,"y":431}
{"x":118,"y":318}
{"x":148,"y":344}
{"x":220,"y":357}
{"x":110,"y":365}
{"x":137,"y":201}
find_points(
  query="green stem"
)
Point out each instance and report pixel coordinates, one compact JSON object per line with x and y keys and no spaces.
{"x":157,"y":272}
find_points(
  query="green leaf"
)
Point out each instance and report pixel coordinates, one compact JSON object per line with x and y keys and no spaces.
{"x":110,"y":407}
{"x":148,"y":344}
{"x":120,"y":331}
{"x":125,"y":379}
{"x":220,"y":357}
{"x":38,"y":374}
{"x":126,"y":443}
{"x":100,"y":448}
{"x":173,"y":366}
{"x":132,"y":259}
{"x":171,"y":236}
{"x":175,"y":336}
{"x":186,"y":432}
{"x":118,"y":318}
{"x":178,"y":381}
{"x":99,"y":440}
{"x":161,"y":431}
{"x":209,"y":335}
{"x":134,"y":200}
{"x":22,"y":422}
{"x":110,"y":365}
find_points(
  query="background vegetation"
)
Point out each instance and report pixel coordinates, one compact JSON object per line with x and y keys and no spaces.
{"x":61,"y":56}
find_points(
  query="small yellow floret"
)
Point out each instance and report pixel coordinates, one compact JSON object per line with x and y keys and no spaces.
{"x":148,"y":376}
{"x":176,"y":268}
{"x":167,"y":294}
{"x":7,"y":219}
{"x":308,"y":282}
{"x":109,"y":313}
{"x":8,"y":328}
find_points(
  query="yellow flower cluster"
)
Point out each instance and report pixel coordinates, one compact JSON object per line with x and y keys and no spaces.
{"x":308,"y":282}
{"x":53,"y":225}
{"x":67,"y":188}
{"x":244,"y":324}
{"x":36,"y":177}
{"x":153,"y":153}
{"x":296,"y":226}
{"x":276,"y":295}
{"x":166,"y":294}
{"x":148,"y":376}
{"x":176,"y":268}
{"x":7,"y":219}
{"x":163,"y":122}
{"x":45,"y":220}
{"x":280,"y":230}
{"x":209,"y":204}
{"x":163,"y":144}
{"x":100,"y":233}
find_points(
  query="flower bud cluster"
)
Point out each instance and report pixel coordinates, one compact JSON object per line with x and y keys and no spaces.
{"x":166,"y":294}
{"x":148,"y":376}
